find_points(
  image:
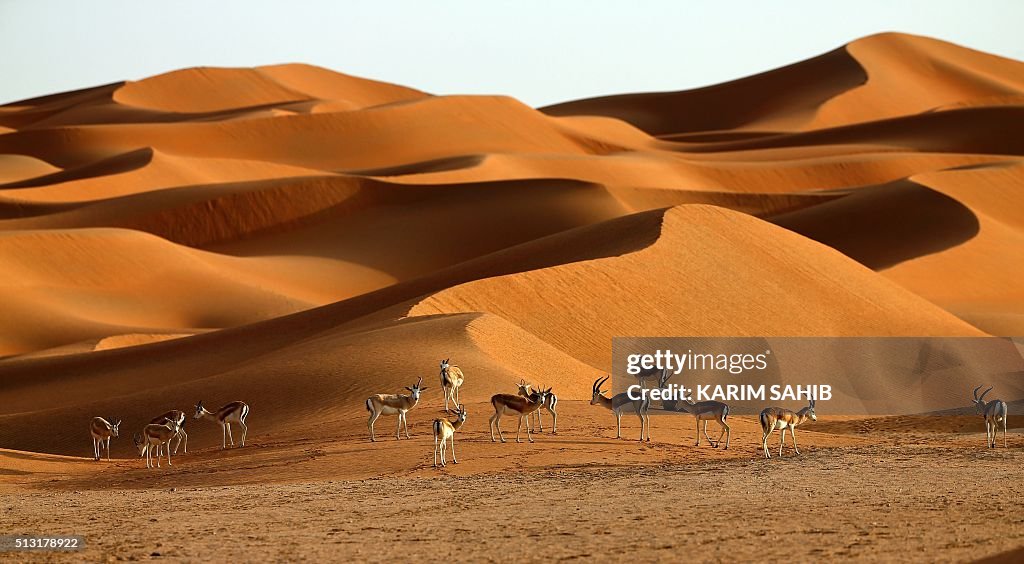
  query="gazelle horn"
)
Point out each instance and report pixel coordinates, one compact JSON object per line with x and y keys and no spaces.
{"x":976,"y":392}
{"x":982,"y":398}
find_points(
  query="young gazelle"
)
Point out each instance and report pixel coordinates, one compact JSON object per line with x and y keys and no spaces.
{"x":702,"y":411}
{"x":102,"y":431}
{"x":618,"y":403}
{"x":773,"y":418}
{"x":552,"y":401}
{"x":993,"y":412}
{"x":178,"y":417}
{"x":444,"y":431}
{"x":394,"y":404}
{"x":515,"y":405}
{"x":153,"y":438}
{"x":234,"y":412}
{"x":451,"y":380}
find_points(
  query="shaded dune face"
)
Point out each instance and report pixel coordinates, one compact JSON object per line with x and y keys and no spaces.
{"x":300,"y":238}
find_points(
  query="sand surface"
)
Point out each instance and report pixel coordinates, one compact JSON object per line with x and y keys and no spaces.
{"x":300,"y":239}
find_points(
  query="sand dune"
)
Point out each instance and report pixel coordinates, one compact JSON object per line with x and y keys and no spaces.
{"x":300,"y":238}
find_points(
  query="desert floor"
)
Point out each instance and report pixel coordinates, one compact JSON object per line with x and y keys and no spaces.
{"x":930,"y":494}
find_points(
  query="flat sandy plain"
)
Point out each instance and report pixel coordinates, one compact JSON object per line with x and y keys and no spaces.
{"x":300,"y":239}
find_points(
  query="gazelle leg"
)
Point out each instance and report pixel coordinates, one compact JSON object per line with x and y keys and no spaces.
{"x":168,"y":453}
{"x":725,"y":431}
{"x":108,"y":449}
{"x":454,"y":460}
{"x":782,"y":440}
{"x":245,"y":431}
{"x":398,"y":430}
{"x":369,"y":424}
{"x":405,"y":421}
{"x":1004,"y":431}
{"x":497,"y":425}
{"x":490,"y":425}
{"x":792,"y":433}
{"x":185,"y":435}
{"x":714,"y":444}
{"x":618,"y":425}
{"x":95,"y":450}
{"x":554,"y":421}
{"x":520,"y":428}
{"x":528,"y":436}
{"x":764,"y":444}
{"x":230,"y":438}
{"x":435,"y":451}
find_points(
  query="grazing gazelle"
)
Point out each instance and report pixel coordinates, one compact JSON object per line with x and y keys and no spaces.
{"x":394,"y":404}
{"x":179,"y":417}
{"x":515,"y":405}
{"x":993,"y":412}
{"x":773,"y":418}
{"x":702,"y":411}
{"x":444,"y":431}
{"x":234,"y":412}
{"x":102,"y":431}
{"x":552,"y":401}
{"x":617,"y":403}
{"x":451,"y":380}
{"x":153,"y":437}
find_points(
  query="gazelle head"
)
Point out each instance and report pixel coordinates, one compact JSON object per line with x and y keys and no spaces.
{"x":113,"y":426}
{"x":139,"y":444}
{"x":595,"y":398}
{"x":663,"y":379}
{"x":810,"y":411}
{"x":979,"y":402}
{"x":462,"y":413}
{"x":199,"y":410}
{"x":444,"y":365}
{"x":415,"y":390}
{"x":524,"y":388}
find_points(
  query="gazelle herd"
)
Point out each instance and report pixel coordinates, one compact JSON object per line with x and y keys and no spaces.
{"x":154,"y":441}
{"x":156,"y":436}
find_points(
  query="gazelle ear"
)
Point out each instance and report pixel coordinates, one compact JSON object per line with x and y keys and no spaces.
{"x":408,"y":388}
{"x":424,"y":389}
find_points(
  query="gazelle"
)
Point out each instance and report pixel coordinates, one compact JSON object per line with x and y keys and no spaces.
{"x":234,"y":412}
{"x":444,"y":431}
{"x":451,"y":380}
{"x":515,"y":405}
{"x":993,"y":412}
{"x":773,"y":418}
{"x":178,"y":417}
{"x":552,"y":401}
{"x":702,"y":411}
{"x":394,"y":404}
{"x":102,"y":431}
{"x":153,"y":437}
{"x":618,"y":403}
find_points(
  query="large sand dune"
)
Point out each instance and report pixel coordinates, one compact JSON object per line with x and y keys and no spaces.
{"x":301,"y":239}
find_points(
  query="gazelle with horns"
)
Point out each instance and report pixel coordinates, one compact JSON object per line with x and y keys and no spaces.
{"x":618,"y":403}
{"x":444,"y":431}
{"x":102,"y":431}
{"x":994,"y":412}
{"x":179,"y":418}
{"x":451,"y":380}
{"x":234,"y":412}
{"x":154,"y":437}
{"x":516,"y":405}
{"x":773,"y":418}
{"x":702,"y":411}
{"x":394,"y":404}
{"x":525,"y":390}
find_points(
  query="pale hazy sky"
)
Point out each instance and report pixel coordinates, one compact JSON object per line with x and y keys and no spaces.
{"x":539,"y":52}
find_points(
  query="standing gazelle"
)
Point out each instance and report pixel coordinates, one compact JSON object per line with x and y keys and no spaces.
{"x":179,"y":418}
{"x":702,"y":411}
{"x":234,"y":412}
{"x":618,"y":402}
{"x":773,"y":418}
{"x":515,"y":405}
{"x":153,"y":438}
{"x":394,"y":404}
{"x":444,"y":431}
{"x":994,"y":412}
{"x":102,"y":431}
{"x":451,"y":380}
{"x":525,"y":390}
